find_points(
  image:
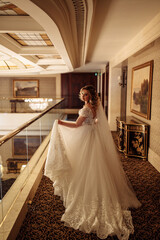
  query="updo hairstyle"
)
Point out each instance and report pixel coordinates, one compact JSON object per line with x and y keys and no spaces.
{"x":94,"y":99}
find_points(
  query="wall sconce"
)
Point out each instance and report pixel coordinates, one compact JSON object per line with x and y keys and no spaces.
{"x":122,"y":81}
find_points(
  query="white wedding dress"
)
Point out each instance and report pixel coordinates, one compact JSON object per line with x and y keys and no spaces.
{"x":87,"y":174}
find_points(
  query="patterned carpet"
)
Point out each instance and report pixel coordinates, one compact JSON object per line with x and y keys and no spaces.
{"x":42,"y":221}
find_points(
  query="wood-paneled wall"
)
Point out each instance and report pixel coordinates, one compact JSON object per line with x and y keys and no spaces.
{"x":71,"y":83}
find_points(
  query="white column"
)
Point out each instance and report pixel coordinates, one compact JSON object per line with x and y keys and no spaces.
{"x":114,"y":97}
{"x":58,"y":86}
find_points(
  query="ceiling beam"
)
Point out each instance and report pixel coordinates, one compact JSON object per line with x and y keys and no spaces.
{"x":37,"y":50}
{"x":12,"y":24}
{"x":50,"y":61}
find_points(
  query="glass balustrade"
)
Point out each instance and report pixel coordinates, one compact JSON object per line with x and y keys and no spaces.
{"x":20,"y":149}
{"x":25,"y":105}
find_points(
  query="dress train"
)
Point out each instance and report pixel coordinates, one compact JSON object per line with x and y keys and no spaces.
{"x":88,"y":176}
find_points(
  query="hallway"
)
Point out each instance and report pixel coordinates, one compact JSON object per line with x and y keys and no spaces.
{"x":42,"y":221}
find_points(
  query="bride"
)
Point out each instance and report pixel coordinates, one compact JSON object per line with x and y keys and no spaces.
{"x":87,"y":174}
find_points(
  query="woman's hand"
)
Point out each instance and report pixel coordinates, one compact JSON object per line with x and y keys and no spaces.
{"x":59,"y":122}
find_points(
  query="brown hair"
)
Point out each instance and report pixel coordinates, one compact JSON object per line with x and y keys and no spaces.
{"x":94,"y":101}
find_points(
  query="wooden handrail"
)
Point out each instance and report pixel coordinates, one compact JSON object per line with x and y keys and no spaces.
{"x":23,"y":126}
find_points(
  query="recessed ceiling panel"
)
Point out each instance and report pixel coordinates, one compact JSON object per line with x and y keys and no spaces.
{"x":31,"y":39}
{"x":9,"y":9}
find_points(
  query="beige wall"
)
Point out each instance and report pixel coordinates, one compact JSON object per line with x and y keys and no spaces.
{"x":114,"y":97}
{"x":152,"y":52}
{"x":48,"y":86}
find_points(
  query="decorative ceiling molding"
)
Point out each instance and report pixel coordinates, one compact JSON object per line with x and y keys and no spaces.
{"x":67,"y":23}
{"x":50,"y":27}
{"x":79,"y":8}
{"x":62,"y":14}
{"x":20,"y":32}
{"x":73,"y":19}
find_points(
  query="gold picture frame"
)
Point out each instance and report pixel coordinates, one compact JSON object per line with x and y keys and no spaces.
{"x":24,"y":88}
{"x":141,"y":89}
{"x":22,"y":146}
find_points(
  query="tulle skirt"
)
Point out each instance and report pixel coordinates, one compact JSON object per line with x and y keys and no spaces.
{"x":90,"y":181}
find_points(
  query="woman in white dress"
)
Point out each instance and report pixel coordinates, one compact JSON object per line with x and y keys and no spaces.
{"x":87,"y":174}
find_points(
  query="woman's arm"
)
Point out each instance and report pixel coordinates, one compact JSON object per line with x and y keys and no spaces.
{"x":76,"y":124}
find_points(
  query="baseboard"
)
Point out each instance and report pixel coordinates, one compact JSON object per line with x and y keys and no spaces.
{"x":154,"y":159}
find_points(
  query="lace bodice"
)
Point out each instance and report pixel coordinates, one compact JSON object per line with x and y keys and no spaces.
{"x":87,"y":112}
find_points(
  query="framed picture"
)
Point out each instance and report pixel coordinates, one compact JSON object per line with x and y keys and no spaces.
{"x":25,"y":88}
{"x":141,"y":89}
{"x":23,"y":146}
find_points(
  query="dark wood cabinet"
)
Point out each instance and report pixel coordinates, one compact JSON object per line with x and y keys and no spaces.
{"x":14,"y":165}
{"x":133,"y":136}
